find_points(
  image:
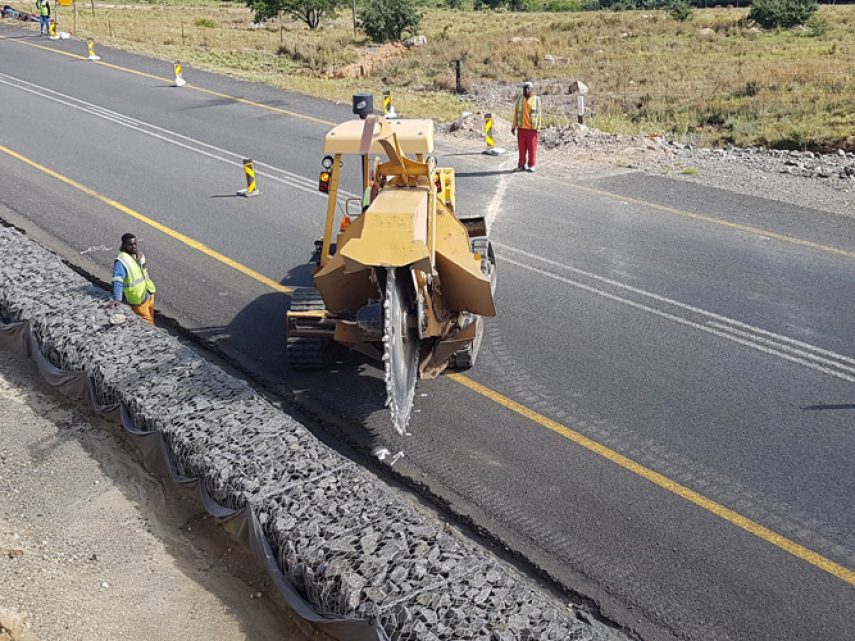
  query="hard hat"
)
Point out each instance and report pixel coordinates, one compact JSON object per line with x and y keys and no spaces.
{"x":528,"y":84}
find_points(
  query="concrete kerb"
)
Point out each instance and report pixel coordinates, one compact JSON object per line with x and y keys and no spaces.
{"x":345,"y":551}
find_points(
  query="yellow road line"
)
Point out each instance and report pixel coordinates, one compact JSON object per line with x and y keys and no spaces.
{"x":656,"y":478}
{"x":210,"y":92}
{"x":611,"y":195}
{"x":195,"y":244}
{"x":662,"y":481}
{"x":716,"y":221}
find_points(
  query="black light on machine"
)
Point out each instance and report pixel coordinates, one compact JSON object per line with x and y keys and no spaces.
{"x":363,"y":104}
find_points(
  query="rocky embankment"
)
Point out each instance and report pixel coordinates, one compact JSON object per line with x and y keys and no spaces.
{"x":804,"y":178}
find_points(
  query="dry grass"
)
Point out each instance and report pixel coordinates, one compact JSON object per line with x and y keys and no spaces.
{"x":647,"y":72}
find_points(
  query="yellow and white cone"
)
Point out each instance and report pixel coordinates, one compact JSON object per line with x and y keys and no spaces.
{"x":53,"y":34}
{"x":90,"y":45}
{"x":388,"y":107}
{"x":251,"y":185}
{"x":491,"y":149}
{"x":179,"y":75}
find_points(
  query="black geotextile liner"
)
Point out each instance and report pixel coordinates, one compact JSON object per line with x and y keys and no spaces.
{"x":347,"y":553}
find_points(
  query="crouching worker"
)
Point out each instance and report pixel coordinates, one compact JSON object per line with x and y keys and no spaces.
{"x":131,"y":282}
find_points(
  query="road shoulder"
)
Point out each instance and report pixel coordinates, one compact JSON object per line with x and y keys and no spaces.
{"x":86,"y":534}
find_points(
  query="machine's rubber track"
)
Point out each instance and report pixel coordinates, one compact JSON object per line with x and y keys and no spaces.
{"x":464,"y":359}
{"x":304,"y":352}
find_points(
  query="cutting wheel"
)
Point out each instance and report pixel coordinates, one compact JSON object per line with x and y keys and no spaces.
{"x":400,"y":346}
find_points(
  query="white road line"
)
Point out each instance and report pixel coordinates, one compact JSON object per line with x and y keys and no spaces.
{"x":670,"y":301}
{"x":792,"y":341}
{"x":780,"y":345}
{"x":172,"y":137}
{"x":848,"y":374}
{"x":496,"y":201}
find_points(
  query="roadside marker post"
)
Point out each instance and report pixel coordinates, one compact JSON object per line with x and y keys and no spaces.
{"x":388,"y":107}
{"x":90,"y":45}
{"x":491,"y":149}
{"x":179,"y":75}
{"x":251,"y":186}
{"x":458,"y":74}
{"x":580,"y":88}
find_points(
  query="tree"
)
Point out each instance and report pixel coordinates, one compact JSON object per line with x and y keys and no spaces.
{"x":309,"y":11}
{"x":770,"y":14}
{"x":385,"y":20}
{"x":679,"y":10}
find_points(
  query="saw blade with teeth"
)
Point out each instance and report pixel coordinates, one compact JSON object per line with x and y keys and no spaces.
{"x":400,"y":349}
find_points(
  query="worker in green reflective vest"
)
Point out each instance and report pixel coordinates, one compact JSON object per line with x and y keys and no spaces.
{"x":131,"y":282}
{"x":43,"y":7}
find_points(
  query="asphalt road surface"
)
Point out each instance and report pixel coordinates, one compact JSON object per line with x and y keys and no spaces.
{"x":661,"y":419}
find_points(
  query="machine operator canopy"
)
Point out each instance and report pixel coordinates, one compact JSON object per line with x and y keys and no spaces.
{"x":414,"y":137}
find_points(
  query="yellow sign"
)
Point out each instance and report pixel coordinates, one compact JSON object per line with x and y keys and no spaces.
{"x":65,"y":3}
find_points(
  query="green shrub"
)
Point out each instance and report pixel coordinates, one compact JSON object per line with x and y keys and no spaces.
{"x":817,"y":27}
{"x":680,"y":10}
{"x":385,"y":20}
{"x":555,"y":6}
{"x":206,"y":23}
{"x":771,"y":14}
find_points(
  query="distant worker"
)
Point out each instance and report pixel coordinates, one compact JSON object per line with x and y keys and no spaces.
{"x":526,"y":124}
{"x":131,"y":281}
{"x":43,"y":7}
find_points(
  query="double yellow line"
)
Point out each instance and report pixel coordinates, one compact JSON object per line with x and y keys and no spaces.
{"x":740,"y":521}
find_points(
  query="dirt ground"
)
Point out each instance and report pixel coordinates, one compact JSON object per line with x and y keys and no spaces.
{"x":93,"y":547}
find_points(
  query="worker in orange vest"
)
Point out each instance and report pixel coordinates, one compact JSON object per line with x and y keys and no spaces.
{"x":526,"y":124}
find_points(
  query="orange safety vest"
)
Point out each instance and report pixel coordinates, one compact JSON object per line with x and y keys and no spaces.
{"x":527,"y":113}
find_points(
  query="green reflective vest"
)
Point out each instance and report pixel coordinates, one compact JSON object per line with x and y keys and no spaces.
{"x":43,"y":7}
{"x":137,"y":284}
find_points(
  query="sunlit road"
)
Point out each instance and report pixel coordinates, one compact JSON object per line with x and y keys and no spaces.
{"x":662,"y":414}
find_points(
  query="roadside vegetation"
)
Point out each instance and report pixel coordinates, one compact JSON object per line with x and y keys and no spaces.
{"x":711,"y":76}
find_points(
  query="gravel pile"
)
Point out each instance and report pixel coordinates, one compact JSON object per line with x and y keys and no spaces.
{"x":804,"y":178}
{"x":351,"y":547}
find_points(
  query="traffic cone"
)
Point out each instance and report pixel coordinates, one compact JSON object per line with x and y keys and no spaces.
{"x":251,"y":186}
{"x":388,"y":107}
{"x":53,"y":34}
{"x":491,"y":149}
{"x":90,"y":44}
{"x":179,"y":75}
